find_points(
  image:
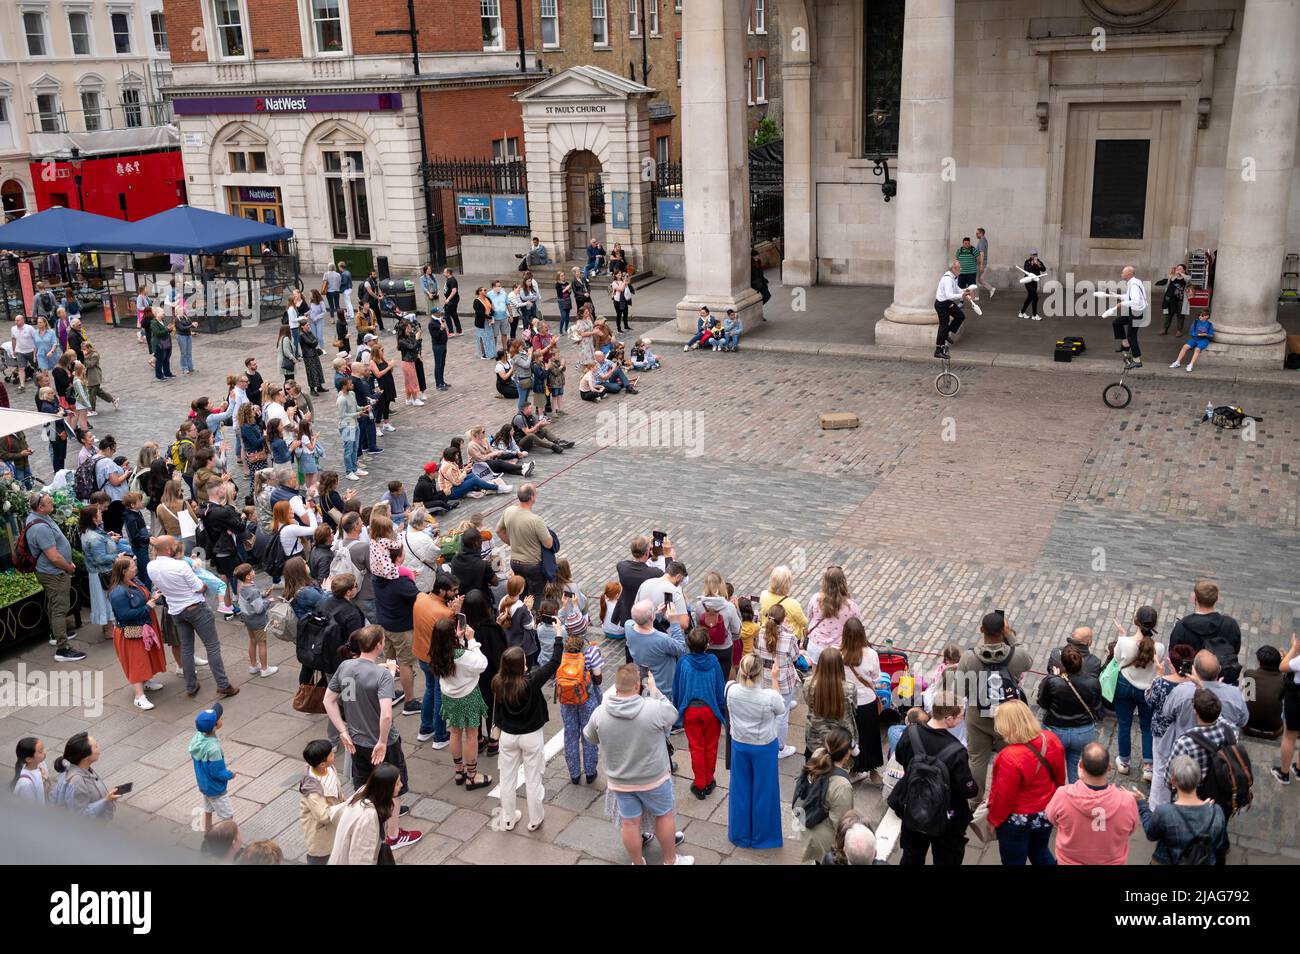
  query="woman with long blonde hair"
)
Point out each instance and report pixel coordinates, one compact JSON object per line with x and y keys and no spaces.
{"x":755,"y":708}
{"x":715,"y":612}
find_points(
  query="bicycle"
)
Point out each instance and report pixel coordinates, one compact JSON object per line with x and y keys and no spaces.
{"x":1117,"y":394}
{"x":947,"y":383}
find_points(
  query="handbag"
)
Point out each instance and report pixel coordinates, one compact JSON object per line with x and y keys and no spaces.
{"x":189,"y":526}
{"x":131,"y":632}
{"x":979,"y":825}
{"x":1109,"y":679}
{"x":310,"y":698}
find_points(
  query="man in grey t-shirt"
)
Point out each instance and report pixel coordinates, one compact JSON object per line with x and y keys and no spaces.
{"x":359,"y":702}
{"x":982,"y":255}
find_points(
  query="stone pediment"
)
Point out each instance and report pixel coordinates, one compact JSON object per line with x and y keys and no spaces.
{"x":584,"y":82}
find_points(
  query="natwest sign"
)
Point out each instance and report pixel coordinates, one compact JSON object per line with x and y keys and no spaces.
{"x":289,"y":103}
{"x":280,"y":104}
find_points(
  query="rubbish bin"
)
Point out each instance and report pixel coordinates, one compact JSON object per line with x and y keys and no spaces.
{"x":401,"y":291}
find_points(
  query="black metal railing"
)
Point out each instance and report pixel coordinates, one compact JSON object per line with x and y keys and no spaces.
{"x":667,"y":184}
{"x":483,"y":176}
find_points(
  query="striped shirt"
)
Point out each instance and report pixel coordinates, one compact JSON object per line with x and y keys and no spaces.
{"x":968,"y":257}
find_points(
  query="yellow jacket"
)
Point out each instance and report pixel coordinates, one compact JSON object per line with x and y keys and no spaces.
{"x":794,"y":615}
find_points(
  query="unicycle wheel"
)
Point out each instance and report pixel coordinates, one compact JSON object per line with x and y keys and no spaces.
{"x":1117,"y":395}
{"x":947,"y":384}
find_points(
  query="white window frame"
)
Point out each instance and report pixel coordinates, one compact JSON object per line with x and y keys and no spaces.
{"x":116,"y":11}
{"x":758,"y":14}
{"x":216,"y":32}
{"x":84,"y":10}
{"x":139,"y":105}
{"x":312,"y":46}
{"x":760,"y":79}
{"x":42,"y":11}
{"x":652,"y":17}
{"x":677,"y":6}
{"x":60,"y":119}
{"x":749,"y":80}
{"x":666,"y":140}
{"x":554,"y":15}
{"x":502,"y":151}
{"x":633,"y":18}
{"x":600,"y":13}
{"x":8,"y":137}
{"x":491,"y":10}
{"x":154,"y":34}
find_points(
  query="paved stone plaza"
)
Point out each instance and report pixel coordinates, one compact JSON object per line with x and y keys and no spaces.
{"x":1024,"y":492}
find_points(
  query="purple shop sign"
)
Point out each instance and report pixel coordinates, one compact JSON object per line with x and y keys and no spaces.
{"x":291,"y":103}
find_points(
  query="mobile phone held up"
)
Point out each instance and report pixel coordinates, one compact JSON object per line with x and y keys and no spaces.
{"x":645,"y":673}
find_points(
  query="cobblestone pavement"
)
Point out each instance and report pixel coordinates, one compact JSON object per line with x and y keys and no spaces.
{"x":1023,"y":492}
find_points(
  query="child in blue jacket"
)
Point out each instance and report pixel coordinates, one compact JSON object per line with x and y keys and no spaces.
{"x":699,"y":694}
{"x":1199,"y":337}
{"x":210,"y":770}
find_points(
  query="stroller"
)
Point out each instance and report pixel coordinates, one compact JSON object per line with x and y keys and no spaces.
{"x":11,"y":363}
{"x":899,"y":689}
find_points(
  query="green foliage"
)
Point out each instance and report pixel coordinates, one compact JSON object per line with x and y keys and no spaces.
{"x":766,"y":131}
{"x":16,"y":586}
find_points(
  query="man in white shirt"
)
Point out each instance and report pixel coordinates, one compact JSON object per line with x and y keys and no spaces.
{"x":663,"y":589}
{"x":23,"y":336}
{"x":947,"y":304}
{"x":176,"y":583}
{"x":1132,"y":310}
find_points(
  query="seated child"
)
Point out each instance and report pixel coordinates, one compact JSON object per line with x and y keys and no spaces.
{"x":642,"y":358}
{"x":397,"y":502}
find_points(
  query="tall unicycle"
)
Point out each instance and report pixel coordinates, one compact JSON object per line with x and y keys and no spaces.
{"x":1117,"y":394}
{"x":947,"y":383}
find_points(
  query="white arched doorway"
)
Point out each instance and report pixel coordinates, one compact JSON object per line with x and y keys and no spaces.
{"x":584,"y":198}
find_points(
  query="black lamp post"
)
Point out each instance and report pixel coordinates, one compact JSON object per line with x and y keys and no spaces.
{"x":76,"y":162}
{"x":889,"y":187}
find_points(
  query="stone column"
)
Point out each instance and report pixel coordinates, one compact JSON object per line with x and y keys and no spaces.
{"x":799,"y":262}
{"x":715,"y":163}
{"x":1257,"y":187}
{"x":923,"y":205}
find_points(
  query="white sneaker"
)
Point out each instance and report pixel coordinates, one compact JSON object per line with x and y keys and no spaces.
{"x":440,"y":745}
{"x":352,"y":476}
{"x":684,"y":860}
{"x":1176,"y":364}
{"x":153,"y":685}
{"x":388,"y":427}
{"x":1021,"y":314}
{"x":141,"y":702}
{"x":270,"y":671}
{"x":687,"y":348}
{"x":254,"y":670}
{"x":1189,"y":367}
{"x":361,"y":473}
{"x":200,"y":661}
{"x":1121,"y":766}
{"x":786,"y":752}
{"x":92,"y":414}
{"x":1037,"y":317}
{"x":418,"y":402}
{"x":992,"y":290}
{"x":179,"y":671}
{"x":504,"y":489}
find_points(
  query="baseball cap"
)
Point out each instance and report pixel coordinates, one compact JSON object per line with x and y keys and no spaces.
{"x":1033,"y":251}
{"x":369,"y":337}
{"x":207,"y":720}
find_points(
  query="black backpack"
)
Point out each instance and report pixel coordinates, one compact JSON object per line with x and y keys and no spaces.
{"x":1008,"y":688}
{"x":318,"y":642}
{"x":1200,"y":849}
{"x":85,"y":480}
{"x":923,"y":796}
{"x":1218,"y":644}
{"x":273,"y":557}
{"x":1229,"y":777}
{"x":809,"y":800}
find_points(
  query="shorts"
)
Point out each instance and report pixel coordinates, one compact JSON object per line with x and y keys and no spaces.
{"x":1291,"y":708}
{"x":257,"y":635}
{"x":557,"y":392}
{"x":657,"y":801}
{"x":500,"y":326}
{"x":398,"y":646}
{"x":219,"y":805}
{"x":965,"y":280}
{"x":1200,"y":344}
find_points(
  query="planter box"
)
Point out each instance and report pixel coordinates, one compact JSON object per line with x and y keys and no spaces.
{"x":24,"y":620}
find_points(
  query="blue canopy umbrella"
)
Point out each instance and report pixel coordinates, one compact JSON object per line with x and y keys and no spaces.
{"x":189,"y":230}
{"x":57,"y":230}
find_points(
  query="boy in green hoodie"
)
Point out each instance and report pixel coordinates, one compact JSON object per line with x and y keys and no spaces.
{"x":210,"y":770}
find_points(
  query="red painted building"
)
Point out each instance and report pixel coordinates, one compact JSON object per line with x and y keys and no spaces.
{"x":132,"y":186}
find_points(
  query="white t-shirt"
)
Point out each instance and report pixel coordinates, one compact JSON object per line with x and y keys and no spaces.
{"x":272,"y":411}
{"x":24,"y":339}
{"x":1294,"y":665}
{"x":658,"y":591}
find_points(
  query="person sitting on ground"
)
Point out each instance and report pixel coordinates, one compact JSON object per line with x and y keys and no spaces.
{"x":643,"y":359}
{"x":731,"y":331}
{"x":589,"y":389}
{"x":529,"y":430}
{"x":498,"y":460}
{"x":505,"y":380}
{"x":1265,"y":703}
{"x":455,"y":482}
{"x":614,"y":378}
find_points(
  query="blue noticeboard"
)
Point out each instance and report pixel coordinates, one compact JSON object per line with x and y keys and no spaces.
{"x":620,"y":202}
{"x":510,"y":210}
{"x":473,"y":209}
{"x":672,"y":217}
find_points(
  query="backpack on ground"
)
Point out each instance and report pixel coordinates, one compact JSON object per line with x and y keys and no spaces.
{"x":281,"y":623}
{"x":85,"y":480}
{"x":809,"y":802}
{"x":572,"y":682}
{"x":923,"y":796}
{"x":24,"y":558}
{"x":318,"y":640}
{"x":176,"y":452}
{"x":1229,"y":777}
{"x":717,"y":626}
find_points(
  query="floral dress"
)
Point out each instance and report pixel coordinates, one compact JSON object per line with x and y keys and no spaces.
{"x":586,"y":349}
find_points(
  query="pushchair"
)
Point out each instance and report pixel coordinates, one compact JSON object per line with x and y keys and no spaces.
{"x":11,"y":363}
{"x":899,"y":689}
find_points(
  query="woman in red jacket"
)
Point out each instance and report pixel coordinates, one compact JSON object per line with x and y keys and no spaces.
{"x":1026,"y":774}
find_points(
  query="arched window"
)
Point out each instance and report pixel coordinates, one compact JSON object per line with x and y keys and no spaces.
{"x":14,"y":199}
{"x":90,"y":92}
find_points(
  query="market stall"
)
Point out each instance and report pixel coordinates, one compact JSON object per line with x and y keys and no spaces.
{"x":58,"y":247}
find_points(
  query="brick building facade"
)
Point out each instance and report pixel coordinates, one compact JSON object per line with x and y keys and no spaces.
{"x":307,"y":113}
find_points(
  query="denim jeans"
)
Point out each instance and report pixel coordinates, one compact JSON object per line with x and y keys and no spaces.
{"x":1074,"y":739}
{"x":162,"y":363}
{"x":1016,"y":843}
{"x":214,"y":422}
{"x":293,"y":333}
{"x":731,"y":341}
{"x":349,"y":438}
{"x":366,"y":425}
{"x":22,"y":474}
{"x":186,"y":344}
{"x":564,"y":318}
{"x":471,"y":482}
{"x":486,"y":345}
{"x":1128,"y":698}
{"x":617,"y":381}
{"x":439,"y":364}
{"x":525,"y":393}
{"x":431,"y":708}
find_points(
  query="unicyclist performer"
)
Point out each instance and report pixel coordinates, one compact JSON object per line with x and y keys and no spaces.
{"x":1132,"y":307}
{"x":948,"y":301}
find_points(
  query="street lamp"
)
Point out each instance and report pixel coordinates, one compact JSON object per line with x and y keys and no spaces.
{"x":888,"y":188}
{"x":76,"y":162}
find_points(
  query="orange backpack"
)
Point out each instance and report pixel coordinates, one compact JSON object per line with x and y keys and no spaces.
{"x":572,"y":683}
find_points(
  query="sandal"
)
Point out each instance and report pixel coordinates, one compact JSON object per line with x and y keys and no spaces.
{"x":460,"y":771}
{"x":472,"y":776}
